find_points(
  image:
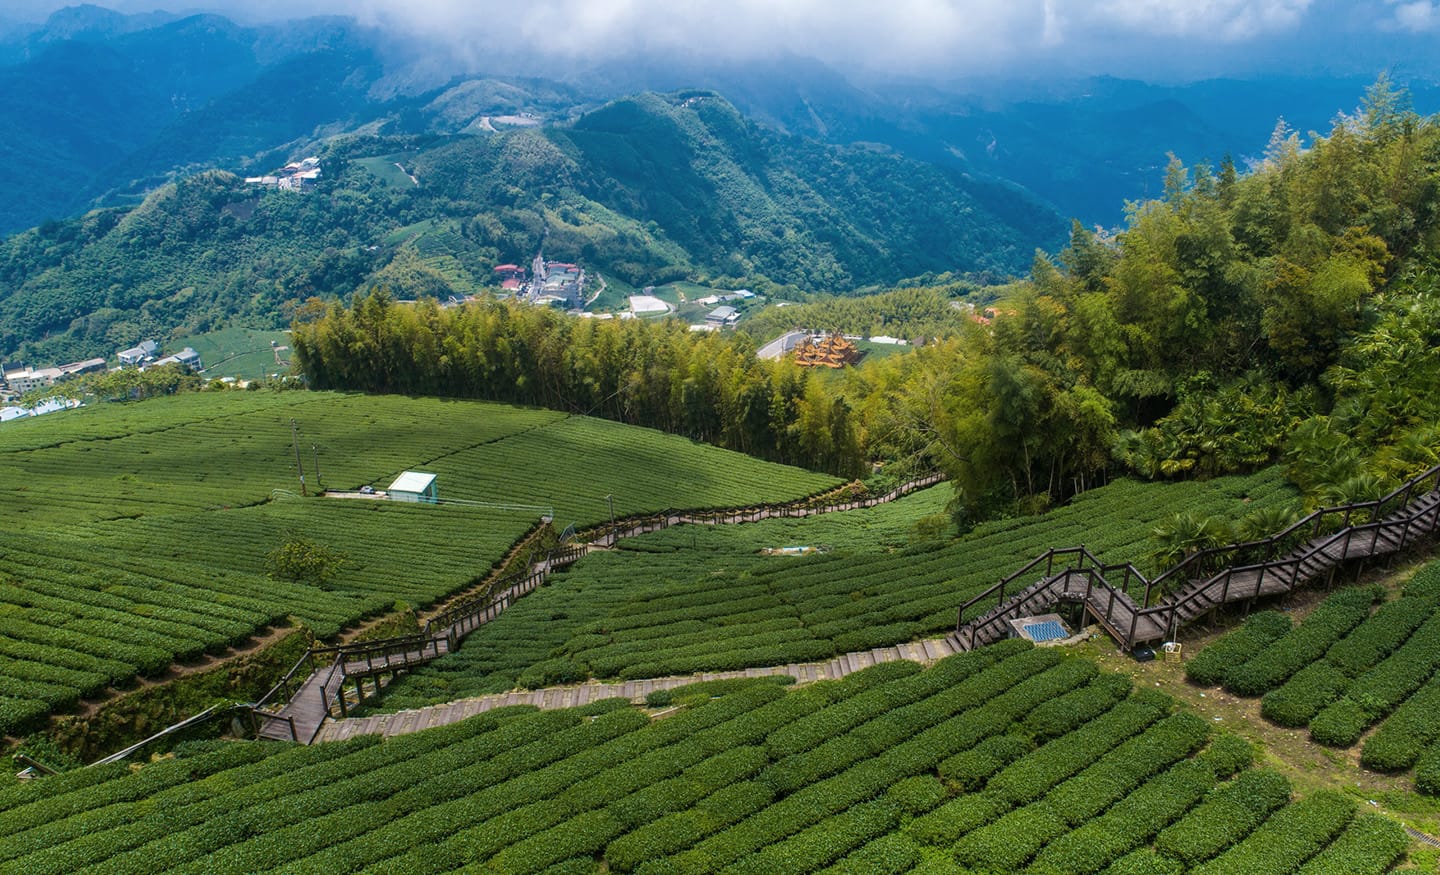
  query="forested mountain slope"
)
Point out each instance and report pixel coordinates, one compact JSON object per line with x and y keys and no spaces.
{"x":647,"y":188}
{"x":1290,"y":311}
{"x":96,"y":104}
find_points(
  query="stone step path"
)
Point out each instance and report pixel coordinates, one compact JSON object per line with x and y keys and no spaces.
{"x":575,"y":695}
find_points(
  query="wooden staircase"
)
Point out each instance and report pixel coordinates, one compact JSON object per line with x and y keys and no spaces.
{"x":1135,"y":610}
{"x":326,"y":680}
{"x":318,"y":687}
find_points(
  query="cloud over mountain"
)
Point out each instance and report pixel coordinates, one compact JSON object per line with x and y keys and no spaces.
{"x":1144,"y":38}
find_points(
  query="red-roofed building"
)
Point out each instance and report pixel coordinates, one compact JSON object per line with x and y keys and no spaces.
{"x":512,"y":276}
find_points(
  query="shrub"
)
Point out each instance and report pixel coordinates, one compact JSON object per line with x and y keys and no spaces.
{"x":1128,"y":823}
{"x":1425,"y":583}
{"x":1290,"y":837}
{"x":552,"y":672}
{"x":1378,"y":636}
{"x":888,"y":855}
{"x":678,"y":831}
{"x":955,"y":818}
{"x":585,"y":833}
{"x":1006,"y":844}
{"x":302,"y":560}
{"x":1299,"y":699}
{"x":1403,"y":737}
{"x":1145,"y":862}
{"x":1427,"y":772}
{"x":919,"y":794}
{"x":19,"y":716}
{"x":1210,"y":666}
{"x":1058,"y":716}
{"x":702,"y":690}
{"x":824,"y":842}
{"x":1225,"y":817}
{"x":1370,"y":845}
{"x":1228,"y":754}
{"x":1127,"y":766}
{"x":969,"y":770}
{"x":1384,"y":687}
{"x":1341,"y":723}
{"x":1304,"y":644}
{"x":1032,"y":776}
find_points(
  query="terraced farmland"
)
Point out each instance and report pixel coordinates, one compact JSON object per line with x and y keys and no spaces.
{"x":696,"y":598}
{"x":138,"y":533}
{"x":1347,"y":669}
{"x":212,"y":450}
{"x":1009,"y":759}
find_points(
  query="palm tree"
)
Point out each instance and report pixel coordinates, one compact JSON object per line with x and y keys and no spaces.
{"x":1355,"y":489}
{"x":1263,"y":522}
{"x":1184,"y":534}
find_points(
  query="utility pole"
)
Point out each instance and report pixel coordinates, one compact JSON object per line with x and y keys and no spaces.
{"x":299,"y":465}
{"x":610,"y":499}
{"x":315,"y":454}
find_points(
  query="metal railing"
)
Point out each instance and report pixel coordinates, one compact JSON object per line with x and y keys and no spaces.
{"x":1320,"y":540}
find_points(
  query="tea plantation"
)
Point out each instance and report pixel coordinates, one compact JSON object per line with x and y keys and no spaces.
{"x":696,"y":598}
{"x":1009,"y":759}
{"x":137,"y":534}
{"x":140,"y":537}
{"x":1355,"y":663}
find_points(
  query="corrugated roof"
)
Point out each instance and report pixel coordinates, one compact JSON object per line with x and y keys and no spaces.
{"x":412,"y":481}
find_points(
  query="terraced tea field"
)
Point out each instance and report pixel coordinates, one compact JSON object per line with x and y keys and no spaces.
{"x":1009,"y":759}
{"x":137,"y":534}
{"x":1357,"y":663}
{"x":697,"y":598}
{"x":212,"y":450}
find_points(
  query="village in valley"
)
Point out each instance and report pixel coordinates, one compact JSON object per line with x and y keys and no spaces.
{"x":18,"y":380}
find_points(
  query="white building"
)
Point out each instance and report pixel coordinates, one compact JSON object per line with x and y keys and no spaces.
{"x":140,"y":354}
{"x":647,"y":304}
{"x":187,"y":357}
{"x":28,"y":380}
{"x":723,"y":316}
{"x":414,"y":486}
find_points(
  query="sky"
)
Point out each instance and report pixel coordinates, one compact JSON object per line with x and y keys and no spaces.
{"x":1168,"y":39}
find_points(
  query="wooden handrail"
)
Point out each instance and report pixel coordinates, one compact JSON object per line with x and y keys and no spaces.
{"x":1377,"y":512}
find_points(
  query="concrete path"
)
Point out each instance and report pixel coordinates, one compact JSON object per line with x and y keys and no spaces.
{"x":402,"y":722}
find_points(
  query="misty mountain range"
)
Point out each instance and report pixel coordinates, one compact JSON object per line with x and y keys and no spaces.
{"x":100,"y":107}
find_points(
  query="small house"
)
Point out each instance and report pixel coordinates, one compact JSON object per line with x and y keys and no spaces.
{"x":723,"y":316}
{"x":415,"y":486}
{"x":187,"y":357}
{"x":138,"y":354}
{"x":30,"y":379}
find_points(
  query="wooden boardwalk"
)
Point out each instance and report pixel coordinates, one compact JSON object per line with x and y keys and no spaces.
{"x":1131,"y":607}
{"x":403,"y":722}
{"x":296,"y":710}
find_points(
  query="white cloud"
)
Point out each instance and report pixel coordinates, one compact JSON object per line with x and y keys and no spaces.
{"x":886,"y":34}
{"x":1421,"y":16}
{"x":1228,"y":20}
{"x":897,"y":35}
